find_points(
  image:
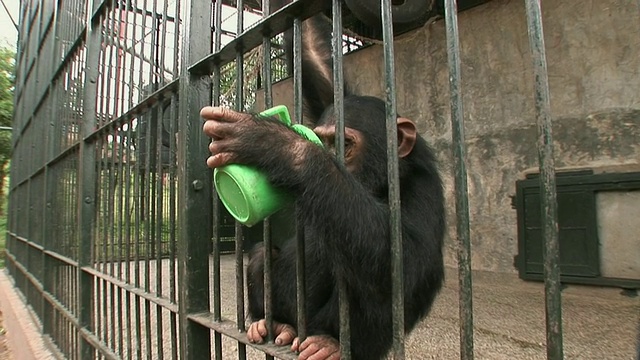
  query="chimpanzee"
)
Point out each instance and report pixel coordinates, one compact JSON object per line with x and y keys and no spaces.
{"x":344,"y":211}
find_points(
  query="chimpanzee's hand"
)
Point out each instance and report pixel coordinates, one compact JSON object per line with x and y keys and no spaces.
{"x":317,"y":347}
{"x":246,"y":139}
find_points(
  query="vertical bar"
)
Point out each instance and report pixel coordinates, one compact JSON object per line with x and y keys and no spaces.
{"x":338,"y":102}
{"x":50,"y":181}
{"x":300,"y":248}
{"x":172,"y":180}
{"x":266,"y":237}
{"x":130,"y":324}
{"x":138,"y":194}
{"x":462,"y":196}
{"x":217,"y":12}
{"x":159,"y":173}
{"x":547,"y":183}
{"x":118,"y":143}
{"x":194,"y":179}
{"x":240,"y":318}
{"x":395,"y":222}
{"x":86,"y":187}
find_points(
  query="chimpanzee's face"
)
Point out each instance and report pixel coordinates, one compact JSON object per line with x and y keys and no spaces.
{"x":353,"y":144}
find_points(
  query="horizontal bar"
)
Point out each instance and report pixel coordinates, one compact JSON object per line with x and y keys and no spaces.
{"x":61,"y":258}
{"x":24,"y":240}
{"x":94,"y":341}
{"x":99,"y":11}
{"x":280,"y":21}
{"x":167,"y":304}
{"x":29,"y":178}
{"x":230,"y":329}
{"x":164,"y":92}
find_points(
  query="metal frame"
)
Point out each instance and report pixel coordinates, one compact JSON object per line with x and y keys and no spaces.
{"x":85,"y":253}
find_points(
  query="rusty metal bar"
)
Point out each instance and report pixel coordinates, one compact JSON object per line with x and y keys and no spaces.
{"x":338,"y":108}
{"x":395,"y":221}
{"x":462,"y":193}
{"x":549,"y":205}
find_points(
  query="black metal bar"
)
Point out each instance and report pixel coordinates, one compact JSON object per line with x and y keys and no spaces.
{"x":266,"y":237}
{"x":173,"y":218}
{"x":338,"y":103}
{"x":87,"y":335}
{"x":127,"y":200}
{"x":239,"y":105}
{"x":87,"y":191}
{"x":395,"y":221}
{"x":230,"y":329}
{"x":462,"y":197}
{"x":194,"y":179}
{"x":240,"y":317}
{"x":159,"y":176}
{"x":276,"y":23}
{"x":154,"y":299}
{"x":549,"y":205}
{"x":300,"y":248}
{"x":217,"y":12}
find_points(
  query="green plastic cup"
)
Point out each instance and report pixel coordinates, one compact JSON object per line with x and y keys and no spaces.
{"x":245,"y":192}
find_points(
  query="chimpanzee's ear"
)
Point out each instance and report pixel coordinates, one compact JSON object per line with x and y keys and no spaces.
{"x":407,"y":134}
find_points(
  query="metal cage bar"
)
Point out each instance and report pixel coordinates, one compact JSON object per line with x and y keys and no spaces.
{"x":395,"y":222}
{"x":120,"y":208}
{"x":461,"y":187}
{"x":549,"y":204}
{"x":194,"y":178}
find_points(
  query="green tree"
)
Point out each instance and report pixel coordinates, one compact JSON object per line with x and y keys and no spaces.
{"x":7,"y":85}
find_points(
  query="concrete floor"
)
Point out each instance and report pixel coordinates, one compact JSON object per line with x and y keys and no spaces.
{"x":509,"y":320}
{"x":599,"y":323}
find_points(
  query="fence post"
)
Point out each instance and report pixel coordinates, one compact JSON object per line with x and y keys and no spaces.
{"x":86,"y":185}
{"x":194,"y":182}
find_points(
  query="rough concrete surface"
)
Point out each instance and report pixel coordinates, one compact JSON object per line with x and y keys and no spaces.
{"x":593,"y":56}
{"x":21,"y":332}
{"x":509,"y":319}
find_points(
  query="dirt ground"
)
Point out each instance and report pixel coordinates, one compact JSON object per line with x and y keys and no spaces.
{"x":5,"y":354}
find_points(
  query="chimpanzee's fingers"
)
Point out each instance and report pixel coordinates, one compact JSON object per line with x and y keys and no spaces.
{"x":284,"y":334}
{"x":253,"y":334}
{"x":222,"y":114}
{"x":314,"y":351}
{"x":295,"y":345}
{"x":218,"y":160}
{"x":217,"y":129}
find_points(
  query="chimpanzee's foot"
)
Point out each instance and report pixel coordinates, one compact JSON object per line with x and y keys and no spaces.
{"x":284,"y":333}
{"x":317,"y":347}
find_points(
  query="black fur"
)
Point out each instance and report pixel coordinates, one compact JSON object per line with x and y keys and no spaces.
{"x":346,"y":224}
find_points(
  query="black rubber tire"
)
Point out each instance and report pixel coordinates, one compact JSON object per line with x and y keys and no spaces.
{"x":406,"y":14}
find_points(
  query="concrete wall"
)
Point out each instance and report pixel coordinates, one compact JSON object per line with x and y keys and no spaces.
{"x":593,"y":54}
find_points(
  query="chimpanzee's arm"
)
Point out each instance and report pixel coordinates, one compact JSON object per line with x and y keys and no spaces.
{"x":334,"y":206}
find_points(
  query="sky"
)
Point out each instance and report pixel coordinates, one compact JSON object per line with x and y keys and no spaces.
{"x":8,"y":33}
